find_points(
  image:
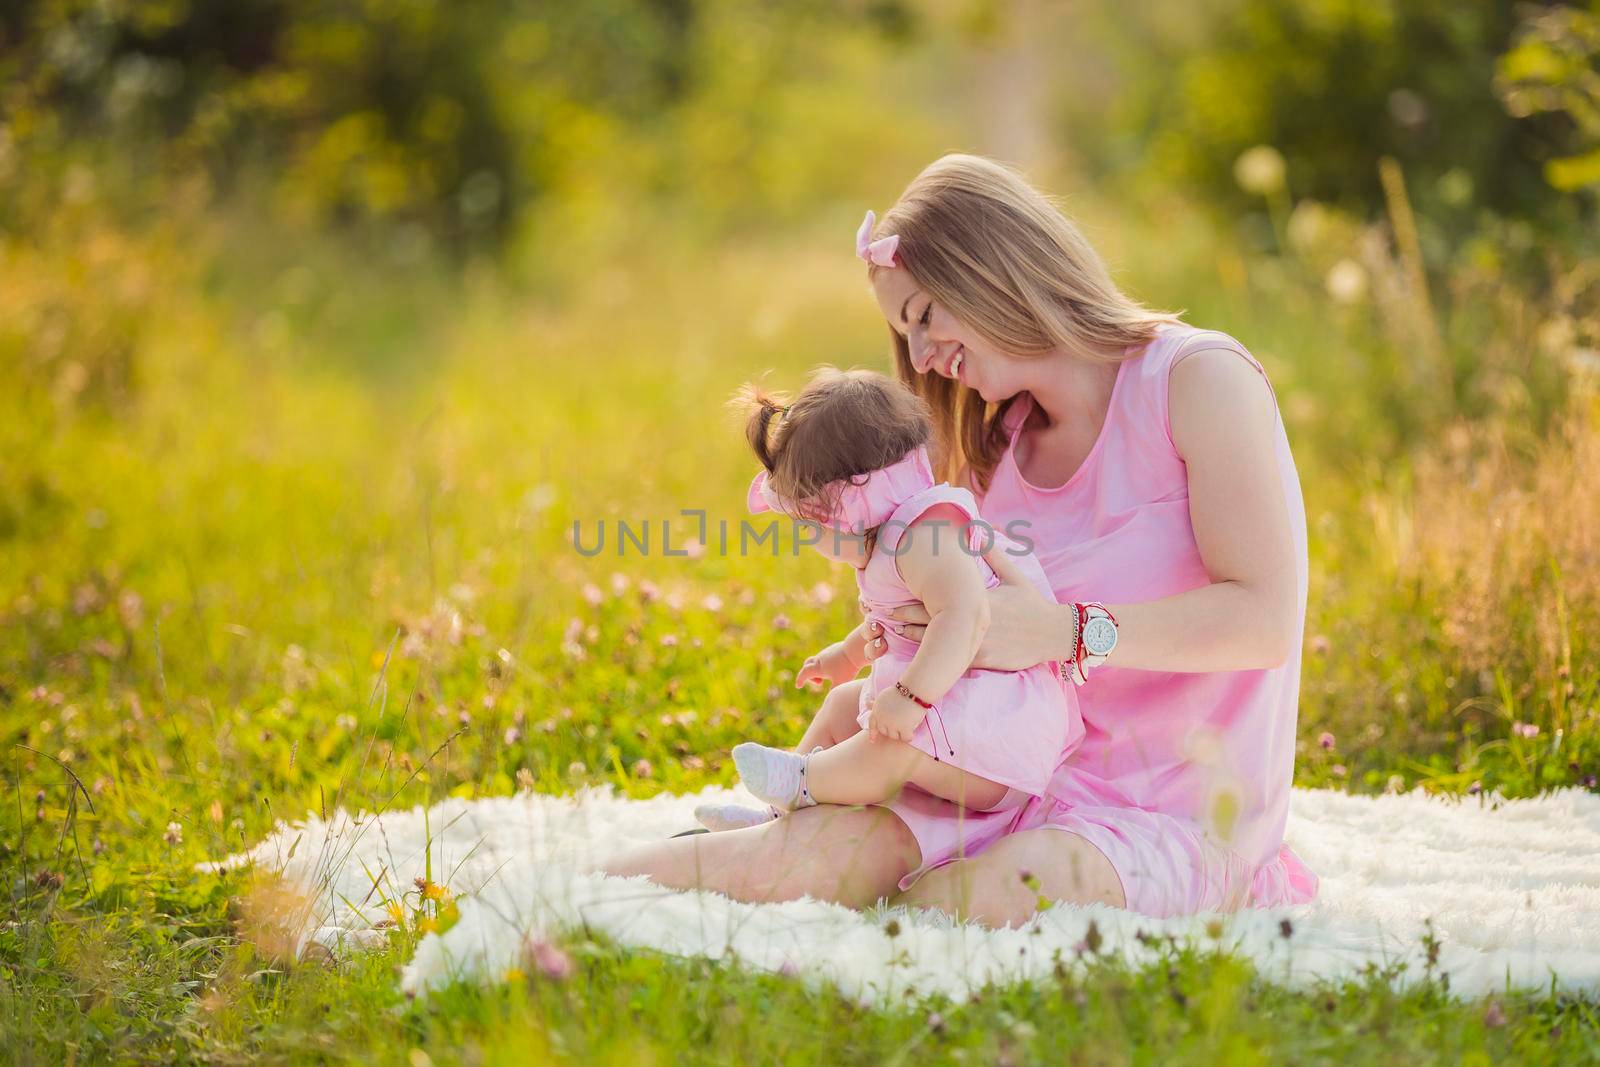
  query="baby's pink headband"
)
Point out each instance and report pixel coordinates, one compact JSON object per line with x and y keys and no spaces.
{"x":880,"y":251}
{"x":863,"y":504}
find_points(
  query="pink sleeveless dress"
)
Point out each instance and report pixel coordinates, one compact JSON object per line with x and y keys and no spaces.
{"x":1010,"y":727}
{"x":1182,"y":780}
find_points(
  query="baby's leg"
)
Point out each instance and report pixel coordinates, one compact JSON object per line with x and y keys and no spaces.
{"x":860,"y":771}
{"x":835,"y":719}
{"x":857,"y":771}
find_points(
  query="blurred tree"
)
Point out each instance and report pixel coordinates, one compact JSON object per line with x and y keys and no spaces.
{"x":1555,"y":68}
{"x":457,"y":116}
{"x":1335,"y":85}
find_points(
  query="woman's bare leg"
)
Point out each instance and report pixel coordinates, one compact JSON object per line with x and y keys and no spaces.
{"x":990,"y":888}
{"x":861,"y":771}
{"x":851,"y":856}
{"x":835,"y":719}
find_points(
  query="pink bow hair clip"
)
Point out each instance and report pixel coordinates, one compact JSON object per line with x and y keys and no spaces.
{"x":880,"y":251}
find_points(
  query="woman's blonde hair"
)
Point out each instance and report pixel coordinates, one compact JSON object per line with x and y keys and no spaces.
{"x":999,"y":256}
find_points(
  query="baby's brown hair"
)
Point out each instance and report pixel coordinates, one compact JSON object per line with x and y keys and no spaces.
{"x":844,"y":424}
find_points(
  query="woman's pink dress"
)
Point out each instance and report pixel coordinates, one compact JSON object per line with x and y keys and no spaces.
{"x":1182,"y":780}
{"x":1010,"y":727}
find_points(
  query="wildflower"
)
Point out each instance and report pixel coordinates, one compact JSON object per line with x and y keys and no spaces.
{"x":1474,"y":789}
{"x":1320,"y":644}
{"x":1494,"y":1016}
{"x":1260,"y":170}
{"x":524,"y":779}
{"x":435,"y":891}
{"x":642,"y":769}
{"x":822,"y":593}
{"x":669,"y":640}
{"x":1590,"y":781}
{"x":619,"y":583}
{"x":1395,"y":784}
{"x":1325,"y":741}
{"x":1346,"y":282}
{"x":711,"y":602}
{"x":780,"y":621}
{"x":592,"y":594}
{"x":788,"y":969}
{"x":514,"y":974}
{"x":1339,"y":770}
{"x":1525,"y":729}
{"x":174,"y":834}
{"x":935,"y":1022}
{"x":577,"y":768}
{"x":512,"y":735}
{"x":649,"y":591}
{"x":550,"y":960}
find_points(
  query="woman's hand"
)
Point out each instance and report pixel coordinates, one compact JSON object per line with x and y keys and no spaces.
{"x":833,"y":665}
{"x":893,"y":716}
{"x":1024,"y":627}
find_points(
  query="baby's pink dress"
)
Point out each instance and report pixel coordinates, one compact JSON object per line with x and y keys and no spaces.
{"x":1011,"y":727}
{"x":1182,"y":779}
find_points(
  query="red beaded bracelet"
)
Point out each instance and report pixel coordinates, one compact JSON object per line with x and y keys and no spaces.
{"x":909,"y":695}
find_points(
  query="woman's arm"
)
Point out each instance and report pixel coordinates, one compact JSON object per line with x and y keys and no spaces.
{"x":1223,"y":421}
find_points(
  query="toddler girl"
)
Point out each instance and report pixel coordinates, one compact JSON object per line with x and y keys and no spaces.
{"x":850,"y":456}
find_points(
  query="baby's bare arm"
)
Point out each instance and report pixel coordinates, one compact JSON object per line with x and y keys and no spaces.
{"x":947,"y":581}
{"x":854,"y":645}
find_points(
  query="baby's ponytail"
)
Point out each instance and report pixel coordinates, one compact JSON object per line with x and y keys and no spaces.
{"x":759,"y":408}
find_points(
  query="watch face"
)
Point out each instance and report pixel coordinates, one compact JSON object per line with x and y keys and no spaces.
{"x":1099,"y":636}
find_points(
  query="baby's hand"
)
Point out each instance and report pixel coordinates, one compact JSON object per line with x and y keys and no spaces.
{"x":893,"y":716}
{"x":831,"y":665}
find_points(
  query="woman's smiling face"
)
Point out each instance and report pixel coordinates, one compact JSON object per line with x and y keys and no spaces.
{"x":939,"y":343}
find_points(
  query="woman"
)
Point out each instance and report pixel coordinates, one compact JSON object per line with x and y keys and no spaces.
{"x":1150,"y":467}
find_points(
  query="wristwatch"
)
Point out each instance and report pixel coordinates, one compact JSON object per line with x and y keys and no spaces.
{"x":1099,"y":634}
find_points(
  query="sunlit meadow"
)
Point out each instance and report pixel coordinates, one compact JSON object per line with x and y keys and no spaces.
{"x":287,"y":522}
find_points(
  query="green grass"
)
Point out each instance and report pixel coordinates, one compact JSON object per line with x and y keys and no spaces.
{"x":317,"y":465}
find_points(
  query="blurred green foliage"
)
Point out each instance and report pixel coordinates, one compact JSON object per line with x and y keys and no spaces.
{"x":1336,"y":85}
{"x":1555,"y":69}
{"x":455,"y":116}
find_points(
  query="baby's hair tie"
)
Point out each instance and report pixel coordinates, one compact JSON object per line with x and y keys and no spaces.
{"x":881,"y":251}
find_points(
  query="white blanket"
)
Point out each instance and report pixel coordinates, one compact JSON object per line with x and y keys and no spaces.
{"x":1512,"y":890}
